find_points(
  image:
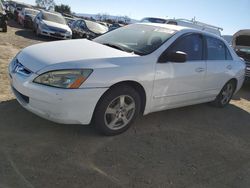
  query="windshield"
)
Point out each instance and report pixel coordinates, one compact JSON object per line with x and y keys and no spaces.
{"x":153,"y":20}
{"x":243,"y":40}
{"x":31,"y":11}
{"x":96,"y":27}
{"x":138,"y":38}
{"x":54,"y":18}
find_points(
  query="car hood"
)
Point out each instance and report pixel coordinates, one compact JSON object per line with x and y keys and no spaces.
{"x":69,"y":52}
{"x":56,"y":25}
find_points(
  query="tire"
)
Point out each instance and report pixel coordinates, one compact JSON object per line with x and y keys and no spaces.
{"x":225,"y":96}
{"x":37,"y":32}
{"x":4,"y":27}
{"x":117,"y":110}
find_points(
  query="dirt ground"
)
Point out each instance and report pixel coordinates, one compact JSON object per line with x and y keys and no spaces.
{"x":194,"y":147}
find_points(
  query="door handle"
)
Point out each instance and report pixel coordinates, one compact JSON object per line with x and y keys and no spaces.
{"x":200,"y":69}
{"x":229,"y":67}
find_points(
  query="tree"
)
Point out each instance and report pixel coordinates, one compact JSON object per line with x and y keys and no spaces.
{"x":63,"y":9}
{"x":46,"y":4}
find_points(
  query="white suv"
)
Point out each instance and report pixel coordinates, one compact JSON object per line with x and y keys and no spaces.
{"x":140,"y":68}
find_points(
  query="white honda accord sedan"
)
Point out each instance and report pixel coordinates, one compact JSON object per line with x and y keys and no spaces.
{"x":137,"y":69}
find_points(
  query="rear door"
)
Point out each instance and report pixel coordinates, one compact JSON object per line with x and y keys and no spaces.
{"x":219,"y":65}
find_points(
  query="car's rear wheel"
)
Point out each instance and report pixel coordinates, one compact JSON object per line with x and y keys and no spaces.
{"x":226,"y":94}
{"x":117,"y":110}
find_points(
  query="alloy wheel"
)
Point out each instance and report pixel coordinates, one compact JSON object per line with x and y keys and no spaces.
{"x":119,"y":112}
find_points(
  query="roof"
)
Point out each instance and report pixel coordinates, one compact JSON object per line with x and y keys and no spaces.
{"x":181,"y":28}
{"x":167,"y":26}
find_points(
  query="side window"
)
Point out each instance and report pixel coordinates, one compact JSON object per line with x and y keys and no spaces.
{"x":82,"y":25}
{"x":192,"y":45}
{"x":77,"y":24}
{"x":215,"y":49}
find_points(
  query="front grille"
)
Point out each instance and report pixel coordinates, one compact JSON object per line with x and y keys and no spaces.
{"x":57,"y":30}
{"x":17,"y":67}
{"x":20,"y":96}
{"x":248,"y":67}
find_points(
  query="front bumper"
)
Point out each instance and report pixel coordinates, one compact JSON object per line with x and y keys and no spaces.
{"x":58,"y":35}
{"x":66,"y":106}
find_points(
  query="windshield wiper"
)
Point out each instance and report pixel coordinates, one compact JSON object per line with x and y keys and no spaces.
{"x":114,"y":46}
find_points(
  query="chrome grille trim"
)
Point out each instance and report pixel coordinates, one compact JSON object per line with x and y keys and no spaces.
{"x":18,"y":68}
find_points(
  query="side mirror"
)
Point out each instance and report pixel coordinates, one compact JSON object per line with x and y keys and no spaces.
{"x":176,"y":57}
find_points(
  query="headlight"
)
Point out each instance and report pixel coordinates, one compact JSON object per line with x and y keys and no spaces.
{"x":67,"y":79}
{"x":69,"y":33}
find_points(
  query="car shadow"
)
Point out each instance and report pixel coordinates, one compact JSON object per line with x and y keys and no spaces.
{"x":29,"y":34}
{"x":15,"y":117}
{"x":244,"y":93}
{"x":12,"y":23}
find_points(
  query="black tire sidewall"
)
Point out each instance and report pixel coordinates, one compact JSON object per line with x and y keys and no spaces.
{"x":98,"y":118}
{"x":5,"y":27}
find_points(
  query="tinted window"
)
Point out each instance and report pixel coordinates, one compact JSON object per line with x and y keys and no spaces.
{"x":81,"y":25}
{"x":191,"y":45}
{"x":215,"y":49}
{"x":153,"y":20}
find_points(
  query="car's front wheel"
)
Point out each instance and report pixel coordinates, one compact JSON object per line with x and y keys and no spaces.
{"x":117,"y":110}
{"x":225,"y":95}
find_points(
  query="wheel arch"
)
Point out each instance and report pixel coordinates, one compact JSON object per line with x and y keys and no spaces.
{"x":235,"y":81}
{"x":135,"y":85}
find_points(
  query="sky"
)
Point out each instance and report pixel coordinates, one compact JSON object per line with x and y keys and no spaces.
{"x":231,"y":15}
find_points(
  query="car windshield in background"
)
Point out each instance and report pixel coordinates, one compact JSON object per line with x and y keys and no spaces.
{"x":54,"y":18}
{"x":96,"y":27}
{"x":138,"y":38}
{"x":30,"y":11}
{"x":153,"y":20}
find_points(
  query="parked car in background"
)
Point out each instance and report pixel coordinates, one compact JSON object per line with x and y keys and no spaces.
{"x":26,"y":17}
{"x":115,"y":26}
{"x":69,"y":20}
{"x":18,"y":8}
{"x":52,"y":24}
{"x":139,"y":68}
{"x":3,"y":18}
{"x":87,"y":29}
{"x":153,"y":20}
{"x":241,"y":45}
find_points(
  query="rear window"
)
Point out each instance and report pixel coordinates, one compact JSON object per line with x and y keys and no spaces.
{"x":243,"y":40}
{"x":96,"y":27}
{"x":153,"y":20}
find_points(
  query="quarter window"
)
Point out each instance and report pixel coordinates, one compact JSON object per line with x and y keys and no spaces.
{"x":228,"y":54}
{"x":192,"y":45}
{"x":216,"y":49}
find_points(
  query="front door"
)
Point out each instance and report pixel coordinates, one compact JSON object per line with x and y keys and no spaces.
{"x":179,"y":84}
